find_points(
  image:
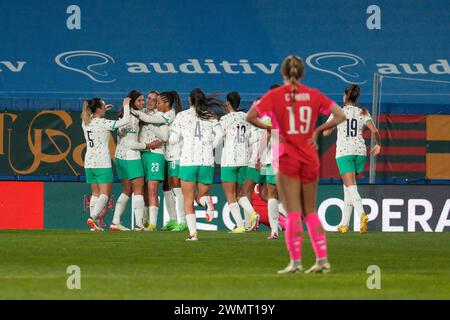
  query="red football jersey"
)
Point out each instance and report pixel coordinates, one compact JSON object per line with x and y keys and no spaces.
{"x":296,"y":122}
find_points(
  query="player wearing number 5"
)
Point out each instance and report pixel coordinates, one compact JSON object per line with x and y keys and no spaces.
{"x":351,"y":153}
{"x":294,"y":109}
{"x":234,"y":156}
{"x":97,"y":161}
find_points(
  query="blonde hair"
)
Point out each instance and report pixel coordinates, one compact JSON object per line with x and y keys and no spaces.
{"x":89,"y":108}
{"x":293,"y":69}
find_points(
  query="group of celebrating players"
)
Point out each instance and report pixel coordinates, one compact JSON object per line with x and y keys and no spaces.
{"x":273,"y":144}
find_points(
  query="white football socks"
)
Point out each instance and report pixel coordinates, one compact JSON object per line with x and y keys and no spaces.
{"x":154,"y":215}
{"x":169,"y":200}
{"x":356,"y":200}
{"x":272,"y":208}
{"x":248,"y":210}
{"x":236,"y":213}
{"x":348,"y":207}
{"x":121,"y":204}
{"x":146,"y":215}
{"x":139,"y":210}
{"x":92,"y":203}
{"x":100,"y":205}
{"x":180,"y":205}
{"x":192,"y":223}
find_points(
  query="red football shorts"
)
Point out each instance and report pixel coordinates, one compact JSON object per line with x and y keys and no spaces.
{"x":306,"y":172}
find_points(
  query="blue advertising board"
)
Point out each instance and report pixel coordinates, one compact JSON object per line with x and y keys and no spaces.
{"x":78,"y":49}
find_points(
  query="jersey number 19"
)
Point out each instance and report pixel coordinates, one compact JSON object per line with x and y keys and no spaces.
{"x":352,"y":126}
{"x":304,"y":113}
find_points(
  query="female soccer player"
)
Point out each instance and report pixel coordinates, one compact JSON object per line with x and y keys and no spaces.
{"x":129,"y":164}
{"x":253,"y":177}
{"x":97,"y":161}
{"x":234,"y":155}
{"x":293,"y":109}
{"x":170,"y":104}
{"x":201,"y":133}
{"x":153,"y":160}
{"x":351,"y":153}
{"x":267,"y":171}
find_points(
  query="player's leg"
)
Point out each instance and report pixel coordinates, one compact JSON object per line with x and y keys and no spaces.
{"x":188,"y":188}
{"x":230,"y":179}
{"x":289,"y":189}
{"x":100,"y":209}
{"x":349,"y":178}
{"x":138,"y":190}
{"x":152,"y":186}
{"x":181,"y":215}
{"x":146,"y":217}
{"x":121,"y":204}
{"x":169,"y":200}
{"x":230,"y":193}
{"x":205,"y":178}
{"x":315,"y":228}
{"x":95,"y":193}
{"x":188,"y":176}
{"x":244,"y":191}
{"x":272,"y":209}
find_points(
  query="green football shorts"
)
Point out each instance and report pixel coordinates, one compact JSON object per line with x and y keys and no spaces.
{"x":267,"y":171}
{"x":351,"y":163}
{"x":129,"y":169}
{"x":154,"y":166}
{"x":233,"y":174}
{"x":202,"y":174}
{"x":254,"y":175}
{"x":99,"y":175}
{"x":173,"y":168}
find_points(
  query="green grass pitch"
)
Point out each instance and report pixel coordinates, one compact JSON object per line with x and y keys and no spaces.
{"x":221,"y":266}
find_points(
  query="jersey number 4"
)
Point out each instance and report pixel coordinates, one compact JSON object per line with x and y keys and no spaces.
{"x":198,"y":130}
{"x":304,"y":113}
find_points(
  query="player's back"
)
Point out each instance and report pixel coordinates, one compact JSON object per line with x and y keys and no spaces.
{"x":198,"y":137}
{"x":295,"y":119}
{"x":97,"y":134}
{"x":237,"y":131}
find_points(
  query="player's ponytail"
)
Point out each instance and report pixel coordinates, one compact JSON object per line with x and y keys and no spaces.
{"x":201,"y":104}
{"x":234,"y":99}
{"x":293,"y":69}
{"x":89,"y":108}
{"x":352,"y":94}
{"x":173,"y":98}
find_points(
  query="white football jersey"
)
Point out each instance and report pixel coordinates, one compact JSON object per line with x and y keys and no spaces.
{"x":350,"y":140}
{"x":152,"y":132}
{"x":128,"y":147}
{"x":172,"y":151}
{"x":97,"y":135}
{"x":235,"y":147}
{"x":254,"y":144}
{"x":199,"y":138}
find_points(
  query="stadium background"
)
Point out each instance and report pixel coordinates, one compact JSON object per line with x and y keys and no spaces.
{"x":47,"y":69}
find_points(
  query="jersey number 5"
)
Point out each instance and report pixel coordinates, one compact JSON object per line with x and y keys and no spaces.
{"x":91,"y":142}
{"x":304,"y":113}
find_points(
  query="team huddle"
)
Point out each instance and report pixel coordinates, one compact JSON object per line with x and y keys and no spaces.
{"x":273,"y":145}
